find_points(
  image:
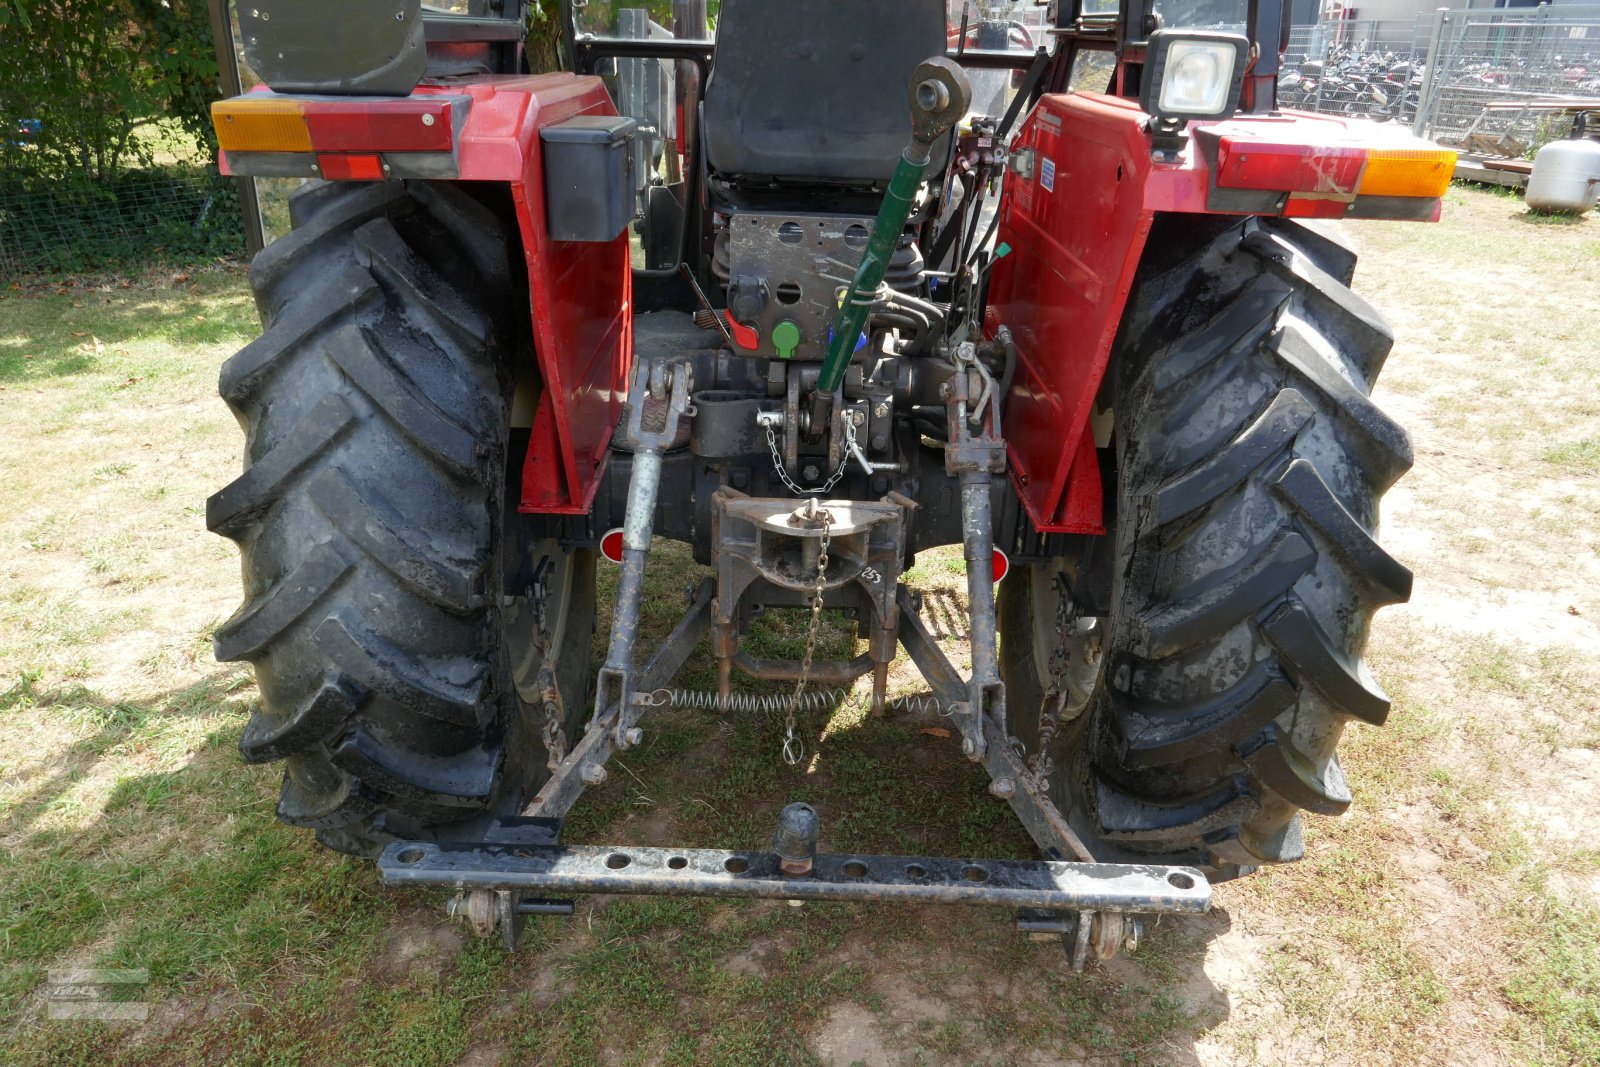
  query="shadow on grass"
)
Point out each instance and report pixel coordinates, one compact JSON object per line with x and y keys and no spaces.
{"x":1529,"y":217}
{"x":258,"y":942}
{"x":181,"y":871}
{"x":874,"y":982}
{"x":115,"y":722}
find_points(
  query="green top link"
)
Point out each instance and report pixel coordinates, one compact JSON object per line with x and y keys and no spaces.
{"x":852,"y":316}
{"x":938,"y":97}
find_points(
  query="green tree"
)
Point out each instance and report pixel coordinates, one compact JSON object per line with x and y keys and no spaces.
{"x":94,"y":72}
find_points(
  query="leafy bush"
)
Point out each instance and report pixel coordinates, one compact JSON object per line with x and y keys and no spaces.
{"x":92,"y":73}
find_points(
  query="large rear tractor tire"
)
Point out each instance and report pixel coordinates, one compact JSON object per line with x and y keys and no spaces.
{"x":396,"y":615}
{"x":1194,"y":711}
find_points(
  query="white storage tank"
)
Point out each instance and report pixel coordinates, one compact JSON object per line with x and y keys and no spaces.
{"x":1566,"y":174}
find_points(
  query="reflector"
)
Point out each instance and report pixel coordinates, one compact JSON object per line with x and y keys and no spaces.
{"x":351,"y":168}
{"x":413,"y":125}
{"x":1001,"y":564}
{"x":1424,"y":172}
{"x":264,"y":122}
{"x":249,"y":124}
{"x":1293,"y":168}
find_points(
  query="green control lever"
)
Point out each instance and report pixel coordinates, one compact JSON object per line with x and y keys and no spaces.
{"x":939,"y":97}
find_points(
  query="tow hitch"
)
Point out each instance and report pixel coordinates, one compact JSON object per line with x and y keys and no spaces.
{"x":522,"y":868}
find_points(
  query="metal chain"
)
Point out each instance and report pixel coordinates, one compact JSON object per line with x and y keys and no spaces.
{"x":555,"y":713}
{"x":826,"y":487}
{"x":555,"y":738}
{"x":793,"y":749}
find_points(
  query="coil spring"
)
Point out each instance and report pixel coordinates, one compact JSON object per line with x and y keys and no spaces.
{"x":775,"y":703}
{"x":748,"y":703}
{"x":919,"y":705}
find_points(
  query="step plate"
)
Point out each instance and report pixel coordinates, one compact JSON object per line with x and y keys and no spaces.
{"x":545,"y":871}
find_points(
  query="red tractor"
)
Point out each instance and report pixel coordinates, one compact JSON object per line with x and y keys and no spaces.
{"x":766,"y":282}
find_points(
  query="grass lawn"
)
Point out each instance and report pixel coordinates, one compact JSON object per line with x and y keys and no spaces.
{"x":1453,"y":916}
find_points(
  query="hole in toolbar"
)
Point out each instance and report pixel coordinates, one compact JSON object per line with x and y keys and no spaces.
{"x":616,"y":861}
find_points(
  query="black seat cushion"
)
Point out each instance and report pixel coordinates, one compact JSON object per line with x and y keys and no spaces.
{"x":816,"y":89}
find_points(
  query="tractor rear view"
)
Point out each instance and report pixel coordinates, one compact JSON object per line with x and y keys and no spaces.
{"x":780,"y":286}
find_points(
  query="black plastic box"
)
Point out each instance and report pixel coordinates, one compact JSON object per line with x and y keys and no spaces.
{"x":589,"y":184}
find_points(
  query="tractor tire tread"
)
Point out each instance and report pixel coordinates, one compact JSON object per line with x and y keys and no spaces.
{"x":376,"y":527}
{"x":242,"y":501}
{"x":1252,"y":460}
{"x":359,"y":352}
{"x":367,"y":516}
{"x":1225,"y":773}
{"x":259,"y":621}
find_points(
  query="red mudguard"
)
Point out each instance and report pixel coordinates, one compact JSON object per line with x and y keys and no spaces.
{"x":581,"y":293}
{"x":486,"y":130}
{"x":1076,"y":212}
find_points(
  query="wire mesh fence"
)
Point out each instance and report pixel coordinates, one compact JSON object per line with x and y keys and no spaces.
{"x":1364,"y":68}
{"x":1504,"y":80}
{"x":158,"y":213}
{"x":1496,"y":81}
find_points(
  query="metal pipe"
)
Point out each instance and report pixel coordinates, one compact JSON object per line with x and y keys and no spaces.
{"x":1430,"y":72}
{"x":637,"y":523}
{"x":978,"y":545}
{"x":832,"y":672}
{"x":834,"y":876}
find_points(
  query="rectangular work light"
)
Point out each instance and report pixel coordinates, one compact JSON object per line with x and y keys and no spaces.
{"x":1192,"y":74}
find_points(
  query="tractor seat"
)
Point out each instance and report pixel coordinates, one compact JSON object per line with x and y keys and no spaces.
{"x":816,"y":90}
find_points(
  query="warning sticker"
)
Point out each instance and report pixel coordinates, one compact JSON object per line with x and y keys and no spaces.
{"x":1047,"y":175}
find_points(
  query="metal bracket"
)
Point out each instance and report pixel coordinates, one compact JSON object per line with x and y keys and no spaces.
{"x":973,"y":458}
{"x":764,"y":555}
{"x":1011,"y":779}
{"x":488,"y":910}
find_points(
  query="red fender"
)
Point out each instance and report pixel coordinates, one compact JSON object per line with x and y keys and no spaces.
{"x":487,"y":130}
{"x":581,"y":294}
{"x":1076,"y":212}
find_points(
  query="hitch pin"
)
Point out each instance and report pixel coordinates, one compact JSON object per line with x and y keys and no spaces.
{"x":868,"y":465}
{"x":861,"y":457}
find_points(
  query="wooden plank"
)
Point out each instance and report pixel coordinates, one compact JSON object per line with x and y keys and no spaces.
{"x":1473,"y":170}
